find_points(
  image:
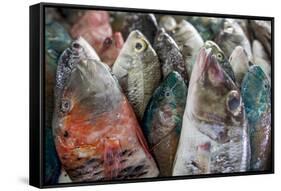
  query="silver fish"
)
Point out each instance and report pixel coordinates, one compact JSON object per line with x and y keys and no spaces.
{"x":239,"y":63}
{"x":169,"y":55}
{"x":214,"y":136}
{"x":262,"y":31}
{"x":137,"y":69}
{"x":231,"y":36}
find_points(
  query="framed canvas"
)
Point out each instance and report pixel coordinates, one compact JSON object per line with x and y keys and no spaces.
{"x":123,"y":95}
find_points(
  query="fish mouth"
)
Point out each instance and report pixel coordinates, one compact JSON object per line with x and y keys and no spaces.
{"x":203,"y":60}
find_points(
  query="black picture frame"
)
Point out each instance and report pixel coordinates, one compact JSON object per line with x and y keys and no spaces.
{"x":37,"y":100}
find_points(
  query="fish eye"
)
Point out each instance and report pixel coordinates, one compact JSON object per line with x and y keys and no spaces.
{"x":108,"y":41}
{"x":167,"y":94}
{"x":76,"y":45}
{"x":65,"y":105}
{"x":140,"y":45}
{"x":233,"y":102}
{"x":220,"y":56}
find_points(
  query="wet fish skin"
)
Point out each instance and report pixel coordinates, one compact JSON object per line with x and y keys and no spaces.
{"x":214,"y":135}
{"x":97,"y":135}
{"x":94,"y":27}
{"x":56,"y":40}
{"x":163,"y":120}
{"x":145,"y":23}
{"x":256,"y":93}
{"x":137,"y":69}
{"x":208,"y":27}
{"x":111,"y":48}
{"x":52,"y":165}
{"x":221,"y":58}
{"x":169,"y":55}
{"x":261,"y":30}
{"x":232,"y":35}
{"x":189,"y":41}
{"x":239,"y":63}
{"x":261,"y":58}
{"x":167,"y":22}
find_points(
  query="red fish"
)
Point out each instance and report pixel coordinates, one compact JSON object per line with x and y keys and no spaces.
{"x":94,"y":26}
{"x":111,"y":48}
{"x":96,"y":132}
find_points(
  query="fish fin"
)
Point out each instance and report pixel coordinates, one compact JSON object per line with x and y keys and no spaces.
{"x":112,"y":157}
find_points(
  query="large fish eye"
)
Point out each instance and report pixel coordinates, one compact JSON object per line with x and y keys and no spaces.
{"x":65,"y":105}
{"x":233,"y":102}
{"x":140,"y":45}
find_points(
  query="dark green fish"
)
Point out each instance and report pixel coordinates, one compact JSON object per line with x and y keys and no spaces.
{"x":208,"y":27}
{"x":163,"y":120}
{"x":52,"y":163}
{"x":256,"y":94}
{"x":169,"y":55}
{"x":214,"y":135}
{"x":221,"y":58}
{"x":56,"y":40}
{"x":145,"y":23}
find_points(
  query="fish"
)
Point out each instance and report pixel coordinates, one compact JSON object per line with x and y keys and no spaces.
{"x":71,"y":16}
{"x":256,"y":94}
{"x":239,"y":63}
{"x":189,"y":41}
{"x":96,"y":133}
{"x":261,"y":31}
{"x":162,"y":121}
{"x":221,"y":58}
{"x":261,"y":58}
{"x":232,"y":35}
{"x":111,"y":48}
{"x":169,"y":55}
{"x":137,"y":69}
{"x":167,"y":22}
{"x":64,"y":178}
{"x":94,"y":27}
{"x":145,"y":23}
{"x":52,"y":165}
{"x":214,"y":136}
{"x":56,"y":40}
{"x":208,"y":27}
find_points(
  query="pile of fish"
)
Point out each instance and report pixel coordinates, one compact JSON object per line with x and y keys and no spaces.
{"x":134,"y":95}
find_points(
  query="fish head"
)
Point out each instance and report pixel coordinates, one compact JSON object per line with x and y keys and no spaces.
{"x":230,"y":36}
{"x":239,"y":57}
{"x":169,"y":23}
{"x":111,"y":48}
{"x":256,"y":92}
{"x":239,"y":62}
{"x":173,"y":88}
{"x":213,"y":100}
{"x":135,"y":54}
{"x":163,"y":43}
{"x":216,"y":51}
{"x":84,"y":88}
